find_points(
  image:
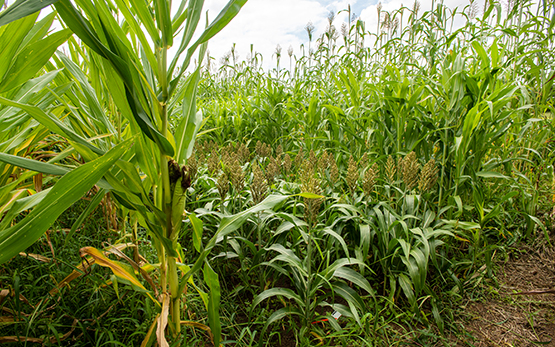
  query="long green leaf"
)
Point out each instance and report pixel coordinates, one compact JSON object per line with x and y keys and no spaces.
{"x":191,"y":119}
{"x":52,"y":123}
{"x":32,"y":59}
{"x":213,"y":283}
{"x":11,"y":39}
{"x":23,"y":8}
{"x":224,"y":17}
{"x":286,"y":292}
{"x":90,"y":208}
{"x":279,"y":314}
{"x":355,"y":277}
{"x":65,"y":192}
{"x":34,"y":165}
{"x":197,"y":231}
{"x":82,"y":28}
{"x":228,"y":225}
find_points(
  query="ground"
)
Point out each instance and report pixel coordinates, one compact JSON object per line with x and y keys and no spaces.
{"x":502,"y":318}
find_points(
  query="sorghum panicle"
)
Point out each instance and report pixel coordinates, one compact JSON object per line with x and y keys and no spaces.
{"x":262,"y":150}
{"x":310,"y":184}
{"x":334,"y":170}
{"x":236,"y":175}
{"x":352,"y":175}
{"x":410,"y":170}
{"x":323,"y":162}
{"x":279,"y":151}
{"x":286,"y":163}
{"x":192,"y":166}
{"x":390,"y":169}
{"x":243,"y":153}
{"x":400,"y":167}
{"x":258,"y":186}
{"x":370,"y":178}
{"x":299,"y":159}
{"x":223,"y":185}
{"x":428,"y":176}
{"x":272,"y":170}
{"x":364,"y":160}
{"x":213,"y":162}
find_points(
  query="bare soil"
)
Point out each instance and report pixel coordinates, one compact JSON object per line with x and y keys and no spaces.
{"x":506,"y":318}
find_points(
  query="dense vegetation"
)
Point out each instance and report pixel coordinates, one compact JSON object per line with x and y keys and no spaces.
{"x":374,"y":179}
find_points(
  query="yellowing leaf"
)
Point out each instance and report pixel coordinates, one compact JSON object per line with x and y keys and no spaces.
{"x":116,"y":268}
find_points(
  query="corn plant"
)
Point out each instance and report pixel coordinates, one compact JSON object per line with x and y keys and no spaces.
{"x":145,"y":87}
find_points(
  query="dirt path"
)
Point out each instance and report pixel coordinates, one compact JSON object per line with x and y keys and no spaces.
{"x":505,"y":319}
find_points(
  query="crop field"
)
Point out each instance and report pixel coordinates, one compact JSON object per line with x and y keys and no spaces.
{"x":390,"y":186}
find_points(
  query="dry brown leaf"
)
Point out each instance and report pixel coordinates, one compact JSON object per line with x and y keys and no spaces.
{"x":195,"y":325}
{"x":163,"y":321}
{"x":9,"y":339}
{"x":36,"y":257}
{"x":7,"y":319}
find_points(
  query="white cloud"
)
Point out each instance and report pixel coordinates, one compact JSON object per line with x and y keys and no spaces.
{"x":267,"y":23}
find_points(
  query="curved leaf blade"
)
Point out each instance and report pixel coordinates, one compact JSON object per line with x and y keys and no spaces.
{"x":65,"y":192}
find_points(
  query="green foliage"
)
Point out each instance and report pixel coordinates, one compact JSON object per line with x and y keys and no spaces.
{"x":377,"y":177}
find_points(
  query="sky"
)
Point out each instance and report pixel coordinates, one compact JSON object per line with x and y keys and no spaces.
{"x":267,"y":23}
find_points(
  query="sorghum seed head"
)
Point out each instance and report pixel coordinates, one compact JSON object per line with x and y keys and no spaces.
{"x":334,"y":171}
{"x":236,"y":175}
{"x":279,"y":151}
{"x":243,"y":153}
{"x":428,"y":176}
{"x":370,"y":178}
{"x":410,"y":170}
{"x":223,"y":185}
{"x":258,"y":186}
{"x":364,"y":160}
{"x":272,"y":170}
{"x":286,"y":163}
{"x":323,"y":162}
{"x":310,"y":184}
{"x":192,"y":167}
{"x":213,"y":162}
{"x":352,"y":175}
{"x":390,"y":169}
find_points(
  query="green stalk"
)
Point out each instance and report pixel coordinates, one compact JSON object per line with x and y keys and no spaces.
{"x":175,"y":309}
{"x":309,"y":279}
{"x":171,"y":277}
{"x":442,"y":173}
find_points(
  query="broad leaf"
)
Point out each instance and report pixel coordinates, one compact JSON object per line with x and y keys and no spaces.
{"x":65,"y":192}
{"x":211,"y":279}
{"x":23,"y":8}
{"x":32,"y":59}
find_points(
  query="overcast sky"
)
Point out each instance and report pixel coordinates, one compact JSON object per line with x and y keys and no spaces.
{"x":267,"y":23}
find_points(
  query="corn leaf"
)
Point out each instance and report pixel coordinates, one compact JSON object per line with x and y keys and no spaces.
{"x":197,"y":231}
{"x":23,"y":8}
{"x":11,"y":39}
{"x":211,"y":279}
{"x":162,"y":321}
{"x":65,"y":192}
{"x":31,"y":59}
